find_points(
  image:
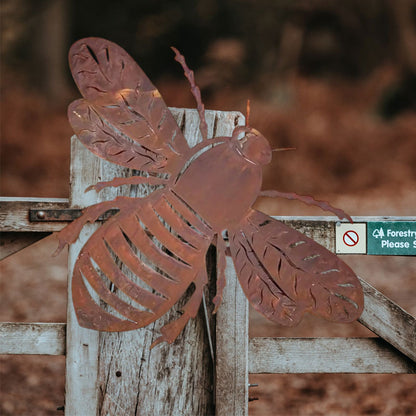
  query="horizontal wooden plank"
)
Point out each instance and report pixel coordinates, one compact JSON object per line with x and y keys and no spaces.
{"x":320,"y":229}
{"x":326,"y":355}
{"x":32,"y":338}
{"x":14,"y":214}
{"x":389,"y":321}
{"x":266,"y":355}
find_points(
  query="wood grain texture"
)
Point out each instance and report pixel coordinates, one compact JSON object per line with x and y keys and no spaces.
{"x":232,"y":349}
{"x":389,"y":321}
{"x":265,"y":355}
{"x":14,"y":214}
{"x":82,"y":344}
{"x":326,"y":355}
{"x":32,"y":338}
{"x":322,"y":230}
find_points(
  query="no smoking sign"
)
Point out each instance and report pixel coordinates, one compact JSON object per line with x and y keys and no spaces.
{"x":351,"y":238}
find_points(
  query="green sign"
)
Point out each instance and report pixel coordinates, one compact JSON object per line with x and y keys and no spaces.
{"x":391,"y":238}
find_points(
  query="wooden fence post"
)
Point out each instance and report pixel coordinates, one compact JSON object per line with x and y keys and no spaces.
{"x":232,"y":349}
{"x":117,"y":373}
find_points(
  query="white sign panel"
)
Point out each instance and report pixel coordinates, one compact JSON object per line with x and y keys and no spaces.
{"x":351,"y":238}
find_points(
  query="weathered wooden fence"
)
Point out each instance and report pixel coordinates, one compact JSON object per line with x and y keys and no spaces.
{"x":117,"y":373}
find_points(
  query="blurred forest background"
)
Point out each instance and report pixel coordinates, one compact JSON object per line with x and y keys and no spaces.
{"x":330,"y":78}
{"x":336,"y":80}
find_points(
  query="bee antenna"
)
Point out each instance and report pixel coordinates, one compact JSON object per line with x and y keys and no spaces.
{"x":248,"y":113}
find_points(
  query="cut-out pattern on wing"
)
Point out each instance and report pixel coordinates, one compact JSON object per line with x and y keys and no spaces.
{"x":122,"y":117}
{"x":285,"y":274}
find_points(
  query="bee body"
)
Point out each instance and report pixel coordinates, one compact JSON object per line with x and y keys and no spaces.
{"x":141,"y":261}
{"x":143,"y":241}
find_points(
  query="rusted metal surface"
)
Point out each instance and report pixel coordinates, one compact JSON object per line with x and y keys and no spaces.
{"x":63,"y":215}
{"x":201,"y":192}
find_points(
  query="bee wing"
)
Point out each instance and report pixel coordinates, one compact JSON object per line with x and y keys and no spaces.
{"x":285,"y":274}
{"x":122,"y":117}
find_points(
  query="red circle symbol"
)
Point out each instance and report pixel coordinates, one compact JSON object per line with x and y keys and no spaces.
{"x":350,"y":238}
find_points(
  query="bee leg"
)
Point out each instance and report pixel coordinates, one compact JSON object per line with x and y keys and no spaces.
{"x":326,"y":206}
{"x":71,"y":232}
{"x":171,"y":330}
{"x":221,"y":263}
{"x":132,"y":180}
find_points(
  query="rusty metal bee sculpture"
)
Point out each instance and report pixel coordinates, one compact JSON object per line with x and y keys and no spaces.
{"x":123,"y":119}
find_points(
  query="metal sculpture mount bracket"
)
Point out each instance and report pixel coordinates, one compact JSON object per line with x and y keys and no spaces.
{"x":200,"y":193}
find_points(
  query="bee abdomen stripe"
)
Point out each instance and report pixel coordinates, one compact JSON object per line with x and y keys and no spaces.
{"x":187,"y":213}
{"x":164,"y":285}
{"x":177,"y":224}
{"x":169,"y":241}
{"x":90,"y":274}
{"x":106,"y":264}
{"x":93,"y":316}
{"x":145,"y":244}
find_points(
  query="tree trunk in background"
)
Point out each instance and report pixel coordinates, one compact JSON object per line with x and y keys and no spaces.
{"x":50,"y":49}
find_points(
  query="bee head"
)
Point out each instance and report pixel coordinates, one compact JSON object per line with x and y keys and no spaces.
{"x":254,"y":147}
